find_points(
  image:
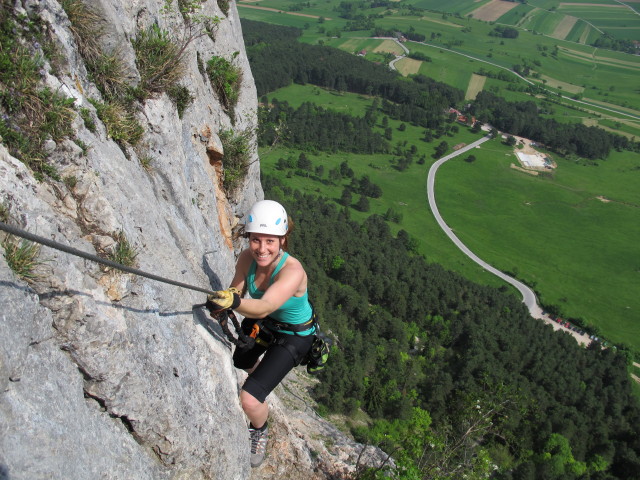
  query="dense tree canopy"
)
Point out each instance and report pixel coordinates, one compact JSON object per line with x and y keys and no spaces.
{"x":524,"y":119}
{"x":310,"y":127}
{"x":410,"y":335}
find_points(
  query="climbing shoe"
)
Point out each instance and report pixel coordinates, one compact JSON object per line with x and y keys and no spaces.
{"x":319,"y":354}
{"x":258,"y":444}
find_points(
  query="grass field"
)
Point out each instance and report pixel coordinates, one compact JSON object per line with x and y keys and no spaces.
{"x":617,"y":20}
{"x":476,"y":84}
{"x":554,"y":234}
{"x":492,"y":11}
{"x":408,"y":66}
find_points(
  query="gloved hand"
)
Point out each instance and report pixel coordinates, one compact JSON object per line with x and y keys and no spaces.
{"x":223,"y":300}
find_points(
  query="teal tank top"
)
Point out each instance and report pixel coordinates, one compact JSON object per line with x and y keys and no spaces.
{"x":296,"y":310}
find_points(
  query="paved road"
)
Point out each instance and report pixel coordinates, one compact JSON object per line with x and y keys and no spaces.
{"x":570,"y":99}
{"x":528,"y":296}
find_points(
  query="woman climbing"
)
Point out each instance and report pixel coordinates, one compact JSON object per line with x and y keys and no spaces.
{"x":277,"y":313}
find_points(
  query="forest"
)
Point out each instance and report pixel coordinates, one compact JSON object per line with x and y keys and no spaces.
{"x":524,"y":119}
{"x":431,"y":356}
{"x":310,"y":127}
{"x":456,"y":379}
{"x":278,"y":60}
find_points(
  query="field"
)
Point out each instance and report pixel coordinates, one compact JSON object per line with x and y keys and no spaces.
{"x":566,"y":236}
{"x":408,"y":66}
{"x":617,"y":20}
{"x":492,"y":11}
{"x":544,"y":16}
{"x":556,"y":234}
{"x":476,"y":84}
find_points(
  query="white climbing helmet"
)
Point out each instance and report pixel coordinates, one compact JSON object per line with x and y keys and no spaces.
{"x":267,"y":216}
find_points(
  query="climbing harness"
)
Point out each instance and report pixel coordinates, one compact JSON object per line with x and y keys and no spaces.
{"x":262,"y":333}
{"x":295,"y":328}
{"x":315,"y":359}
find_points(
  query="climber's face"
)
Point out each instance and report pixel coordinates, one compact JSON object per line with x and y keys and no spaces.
{"x":265,"y":248}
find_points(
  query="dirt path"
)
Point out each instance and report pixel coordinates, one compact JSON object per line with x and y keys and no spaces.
{"x":280,"y":11}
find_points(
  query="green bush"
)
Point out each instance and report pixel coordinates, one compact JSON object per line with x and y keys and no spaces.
{"x":159,"y":60}
{"x":122,"y":125}
{"x":237,"y":152}
{"x":225,"y":79}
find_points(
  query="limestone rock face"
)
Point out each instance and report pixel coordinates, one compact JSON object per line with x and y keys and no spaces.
{"x":110,"y":375}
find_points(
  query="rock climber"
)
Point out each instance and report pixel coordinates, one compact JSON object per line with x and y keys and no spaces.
{"x":277,"y":314}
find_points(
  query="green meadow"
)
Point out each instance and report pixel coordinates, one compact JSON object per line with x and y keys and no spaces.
{"x":568,"y":236}
{"x":542,"y":16}
{"x":615,"y":19}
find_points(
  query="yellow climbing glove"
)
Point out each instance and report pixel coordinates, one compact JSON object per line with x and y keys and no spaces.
{"x":223,"y":300}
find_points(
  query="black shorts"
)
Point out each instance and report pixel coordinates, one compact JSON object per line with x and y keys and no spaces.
{"x":278,"y":359}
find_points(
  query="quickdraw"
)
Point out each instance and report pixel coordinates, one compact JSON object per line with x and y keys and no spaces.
{"x":241,"y":339}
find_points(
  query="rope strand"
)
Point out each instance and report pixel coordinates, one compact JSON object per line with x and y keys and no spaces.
{"x":94,"y":258}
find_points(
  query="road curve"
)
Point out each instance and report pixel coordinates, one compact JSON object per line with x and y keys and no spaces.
{"x":528,"y":296}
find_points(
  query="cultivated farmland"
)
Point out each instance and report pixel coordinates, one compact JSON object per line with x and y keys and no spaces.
{"x":563,"y":29}
{"x":476,"y":85}
{"x":571,"y":201}
{"x":408,"y":66}
{"x":492,"y":11}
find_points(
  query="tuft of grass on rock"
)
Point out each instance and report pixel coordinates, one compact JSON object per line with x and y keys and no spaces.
{"x":123,"y":252}
{"x":159,"y":59}
{"x":21,"y":256}
{"x":122,"y":125}
{"x":226,"y":79}
{"x":181,"y":98}
{"x":237,"y":150}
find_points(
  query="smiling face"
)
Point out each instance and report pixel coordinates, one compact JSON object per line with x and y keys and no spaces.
{"x":264,"y":248}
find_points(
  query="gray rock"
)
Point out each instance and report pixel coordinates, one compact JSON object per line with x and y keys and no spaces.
{"x":109,"y":375}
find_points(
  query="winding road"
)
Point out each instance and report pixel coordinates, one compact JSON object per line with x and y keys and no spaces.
{"x":528,"y":295}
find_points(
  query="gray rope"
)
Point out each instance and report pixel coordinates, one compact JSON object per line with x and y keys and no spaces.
{"x":94,"y":258}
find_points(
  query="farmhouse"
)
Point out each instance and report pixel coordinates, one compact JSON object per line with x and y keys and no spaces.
{"x":462,"y":118}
